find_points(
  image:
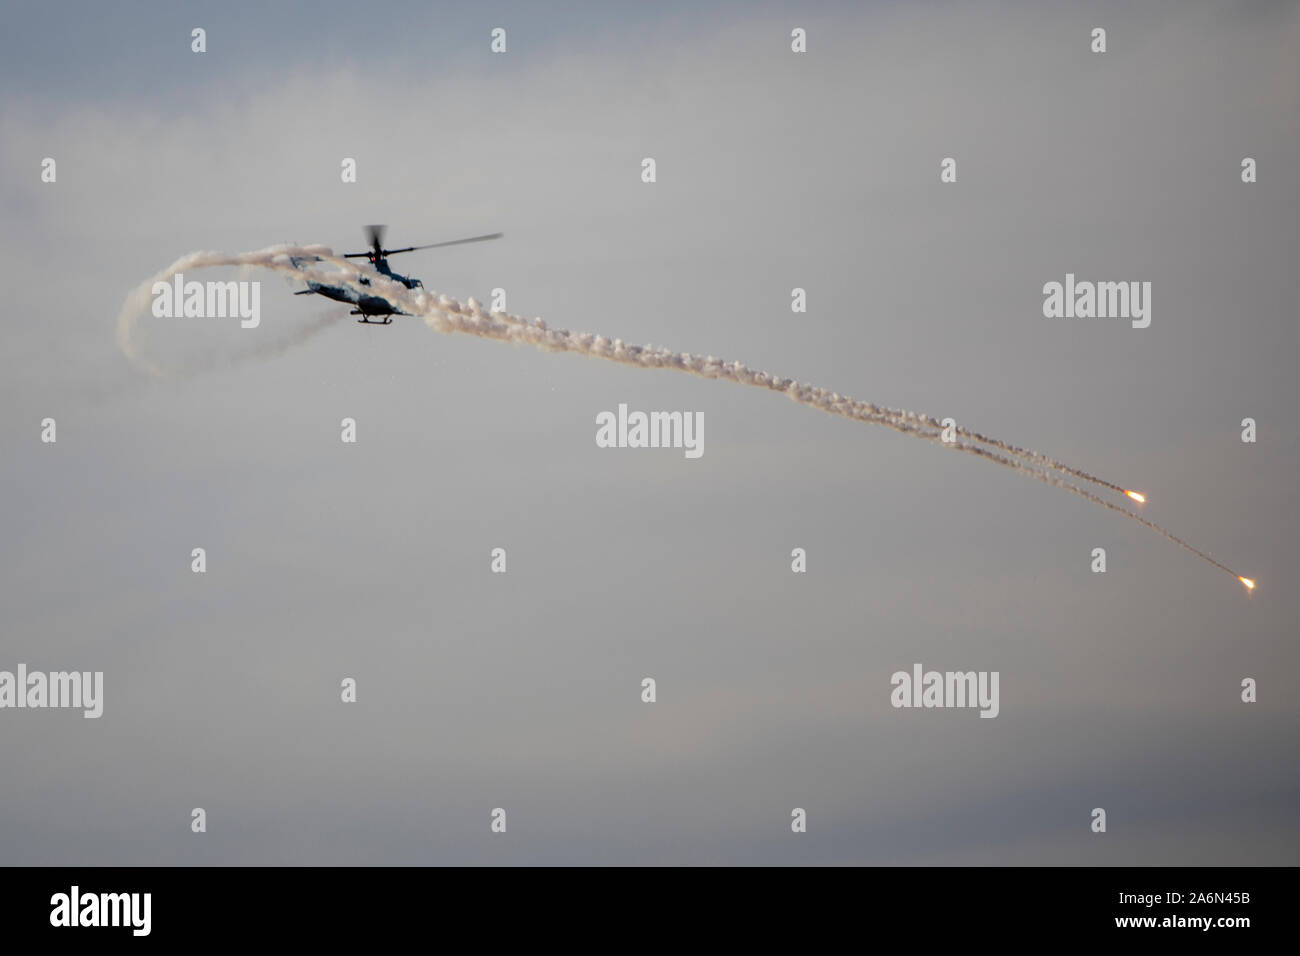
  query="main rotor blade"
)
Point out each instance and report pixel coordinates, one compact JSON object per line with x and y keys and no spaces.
{"x":434,"y":245}
{"x":438,"y":245}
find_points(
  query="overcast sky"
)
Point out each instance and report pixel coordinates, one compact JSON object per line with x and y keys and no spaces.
{"x":523,"y":690}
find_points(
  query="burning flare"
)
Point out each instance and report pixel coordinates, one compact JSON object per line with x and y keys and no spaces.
{"x":1250,"y":585}
{"x":1137,"y":496}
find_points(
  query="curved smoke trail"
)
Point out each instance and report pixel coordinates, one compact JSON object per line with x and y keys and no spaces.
{"x":445,"y":314}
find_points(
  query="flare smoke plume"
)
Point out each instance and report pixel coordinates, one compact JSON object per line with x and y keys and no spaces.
{"x":445,"y":314}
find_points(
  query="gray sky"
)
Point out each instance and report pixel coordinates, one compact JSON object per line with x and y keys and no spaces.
{"x":522,"y":690}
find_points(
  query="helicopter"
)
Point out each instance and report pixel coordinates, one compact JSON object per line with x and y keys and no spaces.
{"x":377,"y":306}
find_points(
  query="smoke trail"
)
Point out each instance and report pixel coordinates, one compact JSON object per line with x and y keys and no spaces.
{"x":445,"y":314}
{"x":138,"y":301}
{"x":1059,"y":482}
{"x":1037,"y":458}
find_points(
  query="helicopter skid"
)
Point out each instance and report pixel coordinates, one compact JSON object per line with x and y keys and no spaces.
{"x":365,"y":319}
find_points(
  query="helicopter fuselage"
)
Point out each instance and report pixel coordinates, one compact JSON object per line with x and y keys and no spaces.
{"x":377,"y":304}
{"x":366,"y":304}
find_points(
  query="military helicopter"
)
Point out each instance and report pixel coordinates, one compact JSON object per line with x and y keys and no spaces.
{"x":377,"y":306}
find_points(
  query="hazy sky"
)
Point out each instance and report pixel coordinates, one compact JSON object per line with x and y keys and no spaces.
{"x":775,"y":170}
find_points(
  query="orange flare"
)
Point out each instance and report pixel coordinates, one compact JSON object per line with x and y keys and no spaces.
{"x":1250,"y":585}
{"x":1137,"y":496}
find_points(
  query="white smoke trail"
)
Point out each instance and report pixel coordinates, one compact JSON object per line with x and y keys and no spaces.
{"x":1058,"y":482}
{"x":138,"y":302}
{"x":445,"y":314}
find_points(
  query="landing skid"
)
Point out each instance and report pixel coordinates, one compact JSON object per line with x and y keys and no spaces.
{"x":365,"y":318}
